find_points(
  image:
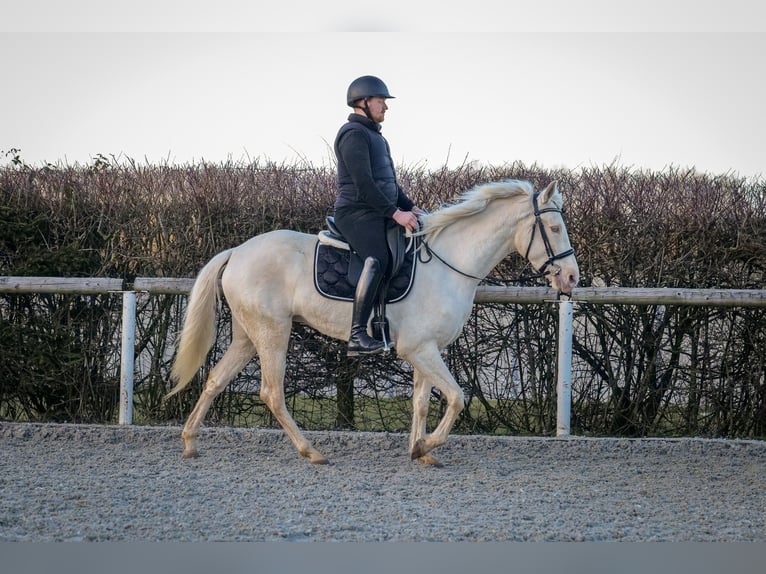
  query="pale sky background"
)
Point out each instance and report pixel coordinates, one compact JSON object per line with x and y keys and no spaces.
{"x":561,"y":84}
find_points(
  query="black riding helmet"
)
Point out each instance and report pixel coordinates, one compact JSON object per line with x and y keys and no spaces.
{"x":366,"y":87}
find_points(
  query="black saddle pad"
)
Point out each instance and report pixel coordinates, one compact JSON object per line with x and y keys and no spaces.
{"x":331,"y":265}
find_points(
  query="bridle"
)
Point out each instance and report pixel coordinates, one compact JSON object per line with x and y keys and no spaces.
{"x":540,"y":272}
{"x":552,"y":257}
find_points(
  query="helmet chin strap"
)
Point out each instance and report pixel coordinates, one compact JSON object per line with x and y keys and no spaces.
{"x":366,"y":110}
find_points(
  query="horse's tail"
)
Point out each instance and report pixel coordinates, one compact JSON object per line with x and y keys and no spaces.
{"x":198,"y":334}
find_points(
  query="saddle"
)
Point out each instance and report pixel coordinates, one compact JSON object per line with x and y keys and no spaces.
{"x":337,"y":268}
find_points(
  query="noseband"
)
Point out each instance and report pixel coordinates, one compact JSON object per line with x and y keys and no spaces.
{"x":543,"y":270}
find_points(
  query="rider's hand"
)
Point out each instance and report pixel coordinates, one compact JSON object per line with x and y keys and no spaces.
{"x":406,"y":219}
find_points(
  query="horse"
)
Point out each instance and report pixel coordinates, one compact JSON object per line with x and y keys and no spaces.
{"x":267,"y":284}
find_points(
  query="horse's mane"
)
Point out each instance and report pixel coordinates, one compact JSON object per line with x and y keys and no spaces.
{"x":471,"y":202}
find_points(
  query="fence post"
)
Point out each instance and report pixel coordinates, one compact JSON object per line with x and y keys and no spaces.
{"x":564,"y":370}
{"x":127,"y":356}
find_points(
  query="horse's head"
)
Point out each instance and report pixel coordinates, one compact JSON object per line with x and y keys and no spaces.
{"x":545,"y":242}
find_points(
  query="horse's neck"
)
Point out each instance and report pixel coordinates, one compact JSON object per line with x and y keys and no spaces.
{"x":478,"y":243}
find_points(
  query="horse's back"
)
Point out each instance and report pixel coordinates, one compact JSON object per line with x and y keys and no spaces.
{"x":279,"y":241}
{"x":272,"y":262}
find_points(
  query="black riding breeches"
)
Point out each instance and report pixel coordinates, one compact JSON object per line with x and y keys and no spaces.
{"x":365,"y":231}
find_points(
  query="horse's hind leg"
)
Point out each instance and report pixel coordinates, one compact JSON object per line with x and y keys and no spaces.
{"x":272,"y":350}
{"x":233,"y":361}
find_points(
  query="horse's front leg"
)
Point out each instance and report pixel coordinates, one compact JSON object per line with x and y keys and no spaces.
{"x":421,"y":394}
{"x":430,"y":368}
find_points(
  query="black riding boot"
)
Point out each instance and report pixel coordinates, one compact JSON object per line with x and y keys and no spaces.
{"x":360,"y":343}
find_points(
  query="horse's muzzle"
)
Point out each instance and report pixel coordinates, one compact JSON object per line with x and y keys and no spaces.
{"x":561,"y":279}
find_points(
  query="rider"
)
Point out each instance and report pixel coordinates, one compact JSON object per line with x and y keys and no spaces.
{"x":368,"y":198}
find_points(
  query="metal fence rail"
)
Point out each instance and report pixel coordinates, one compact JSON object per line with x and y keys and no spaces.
{"x":484,"y":294}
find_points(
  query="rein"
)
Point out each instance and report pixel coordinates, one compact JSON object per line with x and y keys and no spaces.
{"x":432,"y":254}
{"x":541,"y":272}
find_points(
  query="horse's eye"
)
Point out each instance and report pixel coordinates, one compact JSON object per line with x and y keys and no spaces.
{"x":556,"y":228}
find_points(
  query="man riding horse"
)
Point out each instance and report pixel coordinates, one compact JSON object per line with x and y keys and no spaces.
{"x":369,"y":197}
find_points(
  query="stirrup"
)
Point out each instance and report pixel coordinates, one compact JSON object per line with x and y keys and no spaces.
{"x":380,"y":332}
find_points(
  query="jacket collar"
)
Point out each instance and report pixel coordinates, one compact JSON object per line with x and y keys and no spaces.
{"x":366,"y":122}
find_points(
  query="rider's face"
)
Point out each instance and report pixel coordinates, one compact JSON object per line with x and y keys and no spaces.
{"x":377,"y":106}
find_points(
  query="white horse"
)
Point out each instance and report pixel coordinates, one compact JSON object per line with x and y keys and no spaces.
{"x":267,"y":283}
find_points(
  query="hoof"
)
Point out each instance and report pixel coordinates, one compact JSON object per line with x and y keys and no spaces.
{"x":316,"y":458}
{"x":429,"y":460}
{"x":190,"y":454}
{"x":418,"y":450}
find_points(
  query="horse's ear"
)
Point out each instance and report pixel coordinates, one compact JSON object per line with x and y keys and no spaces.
{"x":550,"y":191}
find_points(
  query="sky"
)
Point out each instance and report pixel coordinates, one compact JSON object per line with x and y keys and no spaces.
{"x":561,"y":84}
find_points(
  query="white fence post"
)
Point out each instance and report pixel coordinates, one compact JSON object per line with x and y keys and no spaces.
{"x":564,"y":382}
{"x":127,"y":356}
